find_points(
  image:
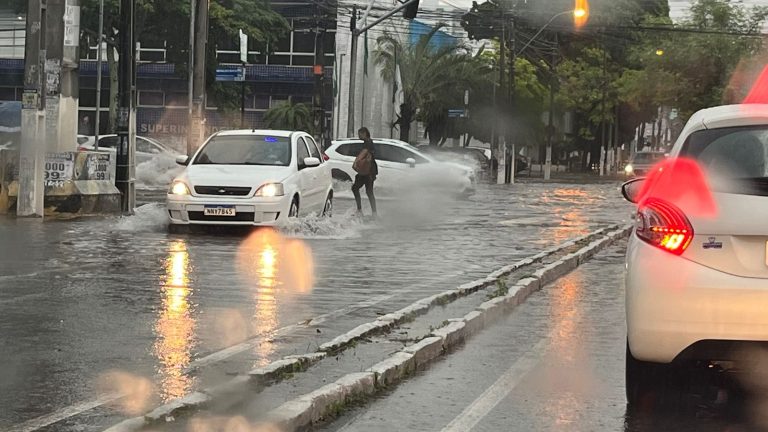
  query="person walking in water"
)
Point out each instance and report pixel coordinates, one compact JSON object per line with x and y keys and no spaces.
{"x":367,"y":170}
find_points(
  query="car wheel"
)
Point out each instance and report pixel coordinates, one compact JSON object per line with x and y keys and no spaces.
{"x":328,"y":207}
{"x":293,"y":212}
{"x":651,"y":384}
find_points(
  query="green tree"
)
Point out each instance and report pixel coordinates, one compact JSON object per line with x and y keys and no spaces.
{"x":290,"y":116}
{"x":433,"y":77}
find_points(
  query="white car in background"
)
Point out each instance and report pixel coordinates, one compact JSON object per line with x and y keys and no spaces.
{"x":251,"y":177}
{"x":697,"y":261}
{"x":401,"y":166}
{"x":147,"y":149}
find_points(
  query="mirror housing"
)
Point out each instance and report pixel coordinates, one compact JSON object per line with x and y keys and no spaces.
{"x":182,"y":160}
{"x":631,"y":189}
{"x":411,"y":162}
{"x":310,"y":162}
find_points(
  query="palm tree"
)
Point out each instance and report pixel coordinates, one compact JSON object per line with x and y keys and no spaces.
{"x":428,"y":74}
{"x":290,"y":116}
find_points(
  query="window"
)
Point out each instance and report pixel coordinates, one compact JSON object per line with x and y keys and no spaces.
{"x":390,"y":153}
{"x":304,"y":42}
{"x":301,"y":151}
{"x":109,"y":142}
{"x":313,"y":150}
{"x":350,"y":149}
{"x":261,"y":101}
{"x":303,"y":60}
{"x":246,"y":150}
{"x":151,"y":98}
{"x":177,"y":99}
{"x":145,"y":146}
{"x":284,"y":60}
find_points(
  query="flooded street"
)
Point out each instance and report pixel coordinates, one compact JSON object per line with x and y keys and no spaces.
{"x":83,"y":299}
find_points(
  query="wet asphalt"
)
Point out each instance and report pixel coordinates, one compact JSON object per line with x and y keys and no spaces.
{"x":83,"y":300}
{"x":556,"y":363}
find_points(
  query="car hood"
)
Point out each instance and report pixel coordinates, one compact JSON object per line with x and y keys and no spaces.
{"x":235,"y":175}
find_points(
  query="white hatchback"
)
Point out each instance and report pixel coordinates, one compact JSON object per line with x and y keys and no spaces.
{"x":697,"y":261}
{"x":401,"y":166}
{"x":251,"y":177}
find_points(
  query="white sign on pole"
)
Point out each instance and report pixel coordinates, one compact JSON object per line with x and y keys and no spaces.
{"x":72,"y":25}
{"x":243,"y":47}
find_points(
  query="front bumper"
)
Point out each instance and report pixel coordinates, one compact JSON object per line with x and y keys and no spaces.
{"x":256,"y":211}
{"x":673,"y":303}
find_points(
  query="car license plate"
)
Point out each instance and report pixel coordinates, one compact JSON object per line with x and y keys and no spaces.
{"x":219,"y":211}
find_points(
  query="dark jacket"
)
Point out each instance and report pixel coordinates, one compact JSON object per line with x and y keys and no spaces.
{"x":368,"y":145}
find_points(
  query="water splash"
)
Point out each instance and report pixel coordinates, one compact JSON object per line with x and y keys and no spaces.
{"x":157,"y":173}
{"x":339,"y":227}
{"x":147,"y":218}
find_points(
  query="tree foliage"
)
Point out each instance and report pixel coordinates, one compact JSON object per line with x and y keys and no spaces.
{"x":290,"y":116}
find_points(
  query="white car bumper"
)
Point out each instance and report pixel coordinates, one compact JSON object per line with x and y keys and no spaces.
{"x":190,"y":210}
{"x":673,"y":303}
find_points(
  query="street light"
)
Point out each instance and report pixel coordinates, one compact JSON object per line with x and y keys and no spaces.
{"x":659,"y":52}
{"x":580,"y":15}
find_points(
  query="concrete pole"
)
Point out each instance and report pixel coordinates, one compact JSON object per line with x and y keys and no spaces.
{"x":352,"y":74}
{"x":124,"y":180}
{"x":191,"y":77}
{"x":32,"y":157}
{"x":62,"y":74}
{"x":198,"y":91}
{"x":99,"y":62}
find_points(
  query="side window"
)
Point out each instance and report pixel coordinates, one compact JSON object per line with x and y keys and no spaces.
{"x":110,"y":142}
{"x":313,"y":150}
{"x":350,"y":149}
{"x":301,"y":151}
{"x":390,"y":153}
{"x":145,"y":146}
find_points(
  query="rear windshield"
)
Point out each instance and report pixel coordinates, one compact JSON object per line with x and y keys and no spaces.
{"x":647,"y":158}
{"x":735,"y":159}
{"x":246,"y":150}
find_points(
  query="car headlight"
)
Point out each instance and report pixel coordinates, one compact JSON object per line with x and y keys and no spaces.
{"x":628,"y":169}
{"x":178,"y":188}
{"x":270,"y":190}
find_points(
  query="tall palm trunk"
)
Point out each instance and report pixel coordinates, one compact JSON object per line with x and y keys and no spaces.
{"x":406,"y":118}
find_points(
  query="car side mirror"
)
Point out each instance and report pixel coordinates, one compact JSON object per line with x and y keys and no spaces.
{"x":310,"y":162}
{"x":631,"y":189}
{"x":411,"y":162}
{"x":182,"y":160}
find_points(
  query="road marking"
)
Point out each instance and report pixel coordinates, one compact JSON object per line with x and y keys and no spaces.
{"x":73,"y":410}
{"x":491,"y":397}
{"x":49,"y":419}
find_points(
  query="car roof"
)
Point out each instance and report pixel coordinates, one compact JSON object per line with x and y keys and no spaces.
{"x":358,"y":140}
{"x":272,"y":132}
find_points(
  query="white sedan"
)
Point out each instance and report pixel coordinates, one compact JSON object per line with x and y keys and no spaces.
{"x":251,"y":177}
{"x":147,"y":149}
{"x":401,"y":166}
{"x":697,"y":261}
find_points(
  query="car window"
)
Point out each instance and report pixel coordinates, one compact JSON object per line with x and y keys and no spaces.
{"x":110,"y":142}
{"x":391,"y":153}
{"x":647,"y":158}
{"x":145,"y":146}
{"x":313,"y":150}
{"x":82,"y":140}
{"x":246,"y":150}
{"x":301,"y":151}
{"x":351,"y":149}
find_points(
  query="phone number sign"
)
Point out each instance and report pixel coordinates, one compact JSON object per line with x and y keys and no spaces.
{"x":59,"y":168}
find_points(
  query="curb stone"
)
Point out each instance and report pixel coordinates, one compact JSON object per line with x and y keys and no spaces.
{"x":425,"y":350}
{"x":448,"y":336}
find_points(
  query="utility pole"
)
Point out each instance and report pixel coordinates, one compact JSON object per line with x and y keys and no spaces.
{"x":550,"y":122}
{"x":603,"y":148}
{"x":318,"y":72}
{"x":32,"y":157}
{"x":99,"y":63}
{"x":126,"y":148}
{"x":352,"y":73}
{"x":501,"y":147}
{"x":510,"y":178}
{"x":197,"y":128}
{"x":191,"y":77}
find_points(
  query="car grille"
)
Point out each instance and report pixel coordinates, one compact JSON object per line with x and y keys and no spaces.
{"x":222,"y":190}
{"x":239,"y":217}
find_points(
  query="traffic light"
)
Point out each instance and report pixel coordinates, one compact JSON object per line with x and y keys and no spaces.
{"x":411,"y":9}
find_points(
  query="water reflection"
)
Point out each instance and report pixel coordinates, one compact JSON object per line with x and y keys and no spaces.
{"x":276,"y":269}
{"x":175,"y":326}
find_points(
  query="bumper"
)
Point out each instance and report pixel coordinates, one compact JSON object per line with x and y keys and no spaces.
{"x":672,"y":303}
{"x":189,"y":210}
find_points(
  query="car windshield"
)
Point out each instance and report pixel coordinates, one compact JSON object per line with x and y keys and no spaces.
{"x":245,"y":150}
{"x":647,"y":158}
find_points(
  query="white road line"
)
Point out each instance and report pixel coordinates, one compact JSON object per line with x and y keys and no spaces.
{"x":49,"y":419}
{"x":73,"y":410}
{"x":491,"y":397}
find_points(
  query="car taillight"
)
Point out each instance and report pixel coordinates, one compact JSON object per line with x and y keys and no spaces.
{"x":663,"y":225}
{"x":325,"y":157}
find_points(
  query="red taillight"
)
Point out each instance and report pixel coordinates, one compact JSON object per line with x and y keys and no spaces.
{"x":664,"y":225}
{"x":325,"y":157}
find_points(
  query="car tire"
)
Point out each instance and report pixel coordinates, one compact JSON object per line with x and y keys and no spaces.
{"x":651,"y":384}
{"x":328,"y":206}
{"x":293,"y":211}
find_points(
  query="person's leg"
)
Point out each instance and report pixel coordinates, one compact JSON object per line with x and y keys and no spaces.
{"x":369,"y":192}
{"x":356,"y":192}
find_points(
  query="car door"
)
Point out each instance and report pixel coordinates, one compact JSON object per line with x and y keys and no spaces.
{"x":394,"y":170}
{"x":306,"y":179}
{"x":322,"y":172}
